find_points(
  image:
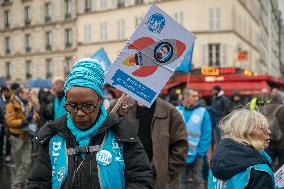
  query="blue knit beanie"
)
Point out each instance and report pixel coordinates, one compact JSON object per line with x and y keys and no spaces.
{"x":86,"y":73}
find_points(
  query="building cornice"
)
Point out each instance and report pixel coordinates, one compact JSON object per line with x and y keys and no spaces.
{"x":248,"y":11}
{"x":27,"y":55}
{"x":227,"y":32}
{"x":121,"y":8}
{"x":41,"y":25}
{"x":81,"y":44}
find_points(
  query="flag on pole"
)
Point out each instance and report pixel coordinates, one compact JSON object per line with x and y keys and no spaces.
{"x":185,"y":65}
{"x":102,"y":58}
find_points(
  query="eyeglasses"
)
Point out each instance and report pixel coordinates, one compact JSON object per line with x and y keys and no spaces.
{"x":74,"y":108}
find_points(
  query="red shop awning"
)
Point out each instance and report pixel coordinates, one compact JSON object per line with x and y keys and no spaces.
{"x":245,"y":88}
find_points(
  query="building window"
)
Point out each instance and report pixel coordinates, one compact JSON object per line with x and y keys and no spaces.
{"x":28,"y":69}
{"x":103,"y":27}
{"x":120,"y":29}
{"x":88,"y":33}
{"x":214,"y":54}
{"x":67,"y":66}
{"x":120,"y":3}
{"x":103,"y":4}
{"x":28,"y":42}
{"x":214,"y":19}
{"x":48,"y":40}
{"x":68,"y":38}
{"x":47,"y":12}
{"x":68,"y":9}
{"x":178,"y":16}
{"x":28,"y":15}
{"x":7,"y":45}
{"x":6,"y":1}
{"x":139,"y":2}
{"x":88,"y":5}
{"x":48,"y":68}
{"x":8,"y":70}
{"x":7,"y":18}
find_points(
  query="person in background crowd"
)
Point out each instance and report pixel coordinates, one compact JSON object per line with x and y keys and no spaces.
{"x":276,"y":148}
{"x":2,"y":119}
{"x":240,"y":161}
{"x":46,"y":99}
{"x":199,"y":130}
{"x":163,"y":134}
{"x":7,"y":144}
{"x":35,"y":100}
{"x":220,"y":106}
{"x":102,"y":151}
{"x":260,"y":100}
{"x":55,"y":109}
{"x":237,"y":101}
{"x":18,"y":118}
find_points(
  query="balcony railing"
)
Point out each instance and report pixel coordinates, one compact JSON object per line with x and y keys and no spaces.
{"x":27,"y":22}
{"x":67,"y":15}
{"x":48,"y":47}
{"x":7,"y":51}
{"x":28,"y":49}
{"x":68,"y":44}
{"x":47,"y":19}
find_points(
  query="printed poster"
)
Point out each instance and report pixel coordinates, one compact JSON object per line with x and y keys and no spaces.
{"x":150,"y":56}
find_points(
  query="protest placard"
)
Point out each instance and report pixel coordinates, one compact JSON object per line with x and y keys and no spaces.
{"x":150,"y":56}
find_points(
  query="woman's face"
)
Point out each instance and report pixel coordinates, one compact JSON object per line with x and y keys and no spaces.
{"x":83,"y":105}
{"x":263,"y":134}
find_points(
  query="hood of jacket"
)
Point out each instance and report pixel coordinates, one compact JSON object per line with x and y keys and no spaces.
{"x":231,"y":158}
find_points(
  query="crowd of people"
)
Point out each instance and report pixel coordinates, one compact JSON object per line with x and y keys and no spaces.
{"x":75,"y":135}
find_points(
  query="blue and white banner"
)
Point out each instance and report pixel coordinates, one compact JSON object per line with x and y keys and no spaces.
{"x":150,"y":56}
{"x":102,"y":58}
{"x":185,"y":65}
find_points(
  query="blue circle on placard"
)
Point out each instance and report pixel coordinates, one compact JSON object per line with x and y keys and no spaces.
{"x":156,"y":23}
{"x":104,"y":157}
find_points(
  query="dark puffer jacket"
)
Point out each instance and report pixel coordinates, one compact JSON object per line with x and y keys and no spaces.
{"x":231,"y":158}
{"x":138,"y":173}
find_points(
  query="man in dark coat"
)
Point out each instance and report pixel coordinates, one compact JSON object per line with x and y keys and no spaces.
{"x":163,"y":134}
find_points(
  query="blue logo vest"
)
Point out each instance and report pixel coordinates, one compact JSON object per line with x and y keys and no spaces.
{"x":58,"y":107}
{"x":193,"y":126}
{"x":109,"y":159}
{"x":240,"y":180}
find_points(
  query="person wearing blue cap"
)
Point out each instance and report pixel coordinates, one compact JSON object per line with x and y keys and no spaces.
{"x":86,"y":148}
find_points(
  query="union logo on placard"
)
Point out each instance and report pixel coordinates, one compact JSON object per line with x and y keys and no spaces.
{"x":156,"y":23}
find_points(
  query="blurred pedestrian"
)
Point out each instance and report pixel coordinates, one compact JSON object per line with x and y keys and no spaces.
{"x":260,"y":100}
{"x":220,"y":106}
{"x":199,"y":131}
{"x":276,"y":109}
{"x":163,"y":134}
{"x":237,"y":101}
{"x":55,"y":108}
{"x":240,"y":161}
{"x":35,"y":100}
{"x":86,"y":148}
{"x":18,"y":118}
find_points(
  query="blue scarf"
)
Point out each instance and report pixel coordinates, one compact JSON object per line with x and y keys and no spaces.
{"x":84,"y":137}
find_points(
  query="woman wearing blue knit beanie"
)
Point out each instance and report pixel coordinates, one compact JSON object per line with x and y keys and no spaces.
{"x":86,"y":148}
